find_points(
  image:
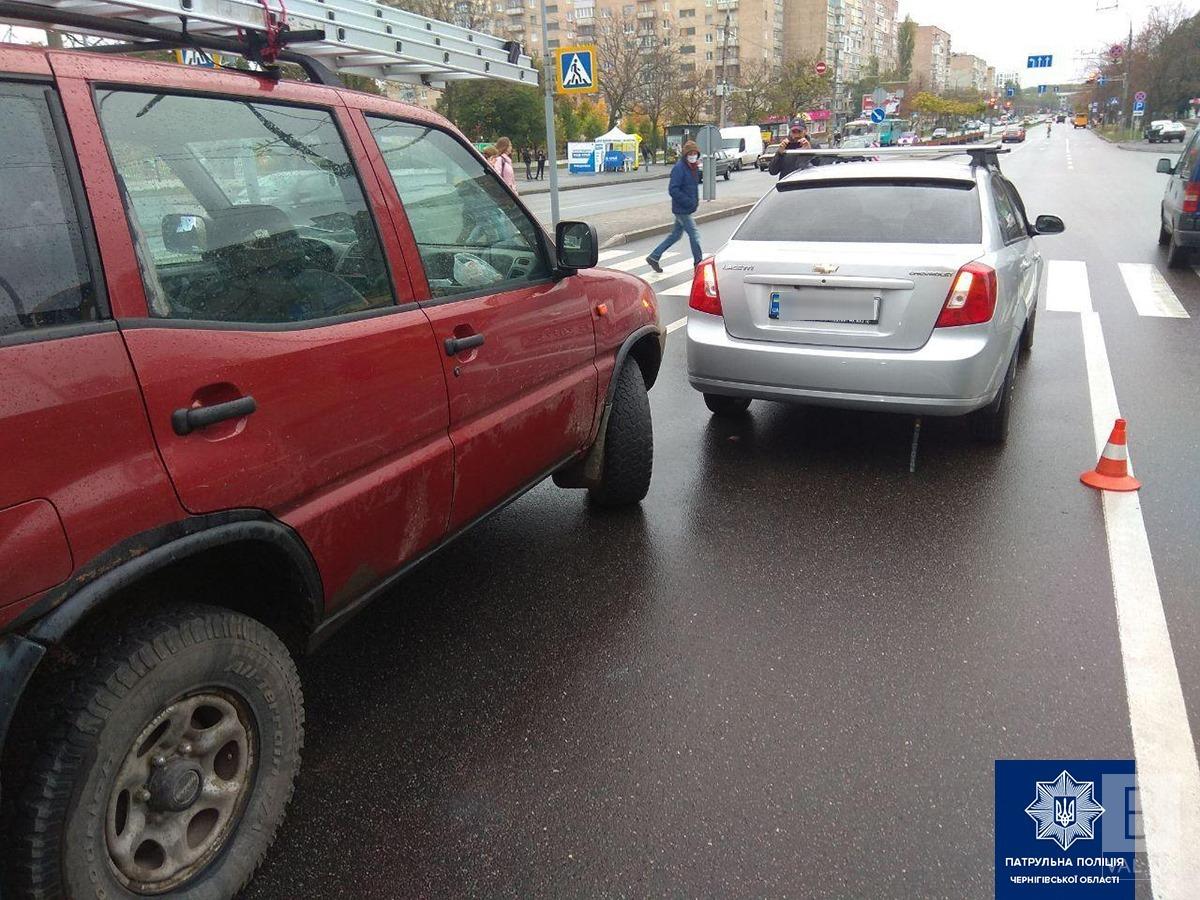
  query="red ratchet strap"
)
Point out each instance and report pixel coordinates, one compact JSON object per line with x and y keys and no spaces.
{"x":274,"y":25}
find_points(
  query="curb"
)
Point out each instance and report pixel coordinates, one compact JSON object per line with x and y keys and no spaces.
{"x":580,"y":187}
{"x":628,"y":237}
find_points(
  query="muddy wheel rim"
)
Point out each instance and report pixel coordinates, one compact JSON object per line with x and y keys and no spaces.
{"x":180,"y":791}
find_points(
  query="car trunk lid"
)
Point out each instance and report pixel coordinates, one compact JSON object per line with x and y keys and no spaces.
{"x":837,"y":295}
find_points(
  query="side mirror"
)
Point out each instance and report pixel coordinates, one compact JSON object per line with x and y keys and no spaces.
{"x":576,"y":245}
{"x":185,"y":233}
{"x":1165,"y":167}
{"x":1049,"y":225}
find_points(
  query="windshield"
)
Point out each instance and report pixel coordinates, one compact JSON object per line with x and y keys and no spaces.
{"x":867,"y":211}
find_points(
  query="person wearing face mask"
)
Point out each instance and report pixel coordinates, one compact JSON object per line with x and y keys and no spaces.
{"x":786,"y":163}
{"x":684,"y":189}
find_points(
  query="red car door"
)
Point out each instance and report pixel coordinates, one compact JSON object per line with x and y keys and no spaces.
{"x":283,"y":363}
{"x":517,"y":345}
{"x":80,"y":469}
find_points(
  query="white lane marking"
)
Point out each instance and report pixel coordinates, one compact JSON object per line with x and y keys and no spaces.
{"x":670,"y":271}
{"x":677,"y":324}
{"x":628,"y":265}
{"x":1168,"y":773}
{"x":1150,"y":292}
{"x":683,"y":289}
{"x":1067,"y":286}
{"x":607,"y":256}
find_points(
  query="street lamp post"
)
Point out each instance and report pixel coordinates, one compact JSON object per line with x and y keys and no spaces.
{"x":548,"y":78}
{"x":724,"y":86}
{"x":837,"y":52}
{"x":1126,"y":111}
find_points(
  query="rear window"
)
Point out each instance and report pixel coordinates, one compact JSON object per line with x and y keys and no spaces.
{"x":875,"y":211}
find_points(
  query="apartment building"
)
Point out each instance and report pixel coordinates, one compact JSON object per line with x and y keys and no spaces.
{"x":989,"y":80}
{"x":1003,"y":78}
{"x":883,"y":27}
{"x":931,"y":59}
{"x":859,"y":31}
{"x":720,"y":38}
{"x":968,"y":73}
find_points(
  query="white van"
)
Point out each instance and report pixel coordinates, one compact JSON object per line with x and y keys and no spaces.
{"x":745,"y":141}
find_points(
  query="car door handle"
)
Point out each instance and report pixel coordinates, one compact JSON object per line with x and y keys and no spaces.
{"x":185,"y":421}
{"x":456,"y":345}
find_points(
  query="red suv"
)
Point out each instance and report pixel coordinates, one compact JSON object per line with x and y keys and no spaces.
{"x":265,"y":346}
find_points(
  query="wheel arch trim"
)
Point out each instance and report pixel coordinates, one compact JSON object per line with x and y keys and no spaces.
{"x":50,"y":619}
{"x":626,"y":348}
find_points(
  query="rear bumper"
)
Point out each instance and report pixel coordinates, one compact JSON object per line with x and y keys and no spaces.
{"x":1185,"y":237}
{"x":957,"y":371}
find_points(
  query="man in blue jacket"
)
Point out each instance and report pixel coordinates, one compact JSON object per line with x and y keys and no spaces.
{"x":685,"y":198}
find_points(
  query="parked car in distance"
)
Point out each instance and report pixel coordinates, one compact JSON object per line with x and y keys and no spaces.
{"x":1166,"y":130}
{"x":726,"y":161}
{"x":323,"y":370}
{"x":749,"y":144}
{"x":939,"y":133}
{"x":859,"y":140}
{"x":1013,"y":134}
{"x":1060,"y":118}
{"x":919,"y":307}
{"x":907,"y":139}
{"x":1179,"y":225}
{"x":1080,"y":121}
{"x":764,"y":158}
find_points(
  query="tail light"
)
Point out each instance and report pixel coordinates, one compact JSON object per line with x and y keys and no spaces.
{"x":705,"y":296}
{"x":972,"y":297}
{"x":1191,"y":197}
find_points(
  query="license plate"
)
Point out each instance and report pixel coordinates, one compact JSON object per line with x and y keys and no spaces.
{"x":824,"y":305}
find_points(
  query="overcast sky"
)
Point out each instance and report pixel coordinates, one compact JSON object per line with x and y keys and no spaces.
{"x":1005,"y":32}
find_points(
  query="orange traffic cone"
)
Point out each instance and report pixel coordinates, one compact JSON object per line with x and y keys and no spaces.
{"x":1112,"y":471}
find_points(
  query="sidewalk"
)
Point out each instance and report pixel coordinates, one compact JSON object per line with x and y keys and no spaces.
{"x":569,"y":182}
{"x":1141,"y":145}
{"x":628,"y":225}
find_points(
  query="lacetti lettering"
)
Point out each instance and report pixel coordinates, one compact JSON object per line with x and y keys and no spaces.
{"x":933,"y":274}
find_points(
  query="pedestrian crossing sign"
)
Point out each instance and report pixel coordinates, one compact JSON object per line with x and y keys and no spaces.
{"x":576,"y":69}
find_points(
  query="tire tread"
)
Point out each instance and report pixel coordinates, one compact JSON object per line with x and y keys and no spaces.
{"x":113,"y":666}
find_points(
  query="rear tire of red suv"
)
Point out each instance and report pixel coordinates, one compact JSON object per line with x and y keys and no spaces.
{"x":628,"y":444}
{"x":169,"y":765}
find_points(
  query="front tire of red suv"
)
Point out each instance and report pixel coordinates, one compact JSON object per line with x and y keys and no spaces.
{"x":628,"y":444}
{"x":169,"y":765}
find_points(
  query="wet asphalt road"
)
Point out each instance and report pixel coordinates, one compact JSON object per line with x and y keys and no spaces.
{"x":790,"y":671}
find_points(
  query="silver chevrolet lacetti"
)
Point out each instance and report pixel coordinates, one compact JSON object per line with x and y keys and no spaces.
{"x":900,"y":285}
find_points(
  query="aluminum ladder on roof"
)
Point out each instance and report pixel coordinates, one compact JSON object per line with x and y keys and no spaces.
{"x":360,"y":37}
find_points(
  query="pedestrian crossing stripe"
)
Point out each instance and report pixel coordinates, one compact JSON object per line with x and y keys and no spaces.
{"x":1150,"y":292}
{"x":575,"y":68}
{"x":1147,"y":289}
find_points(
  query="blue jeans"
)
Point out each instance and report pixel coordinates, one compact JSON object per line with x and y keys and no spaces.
{"x":683,"y":222}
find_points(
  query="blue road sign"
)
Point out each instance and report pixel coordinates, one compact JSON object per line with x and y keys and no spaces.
{"x":1041,"y":89}
{"x":1113,"y":101}
{"x":1041,"y":61}
{"x":1139,"y":106}
{"x":878,"y":115}
{"x":576,"y":69}
{"x":1010,"y":91}
{"x":1102,"y":80}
